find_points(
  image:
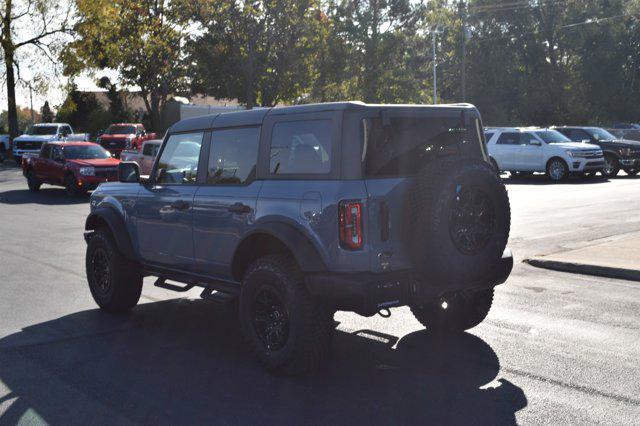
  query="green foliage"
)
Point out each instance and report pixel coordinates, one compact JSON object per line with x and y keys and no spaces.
{"x":24,"y":119}
{"x":46,"y":115}
{"x":119,"y":113}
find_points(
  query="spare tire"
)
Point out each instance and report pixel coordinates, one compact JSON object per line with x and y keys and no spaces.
{"x":458,"y":219}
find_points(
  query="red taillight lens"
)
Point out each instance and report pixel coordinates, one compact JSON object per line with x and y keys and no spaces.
{"x":351,"y":224}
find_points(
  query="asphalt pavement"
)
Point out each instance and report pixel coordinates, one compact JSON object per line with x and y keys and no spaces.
{"x":556,"y":348}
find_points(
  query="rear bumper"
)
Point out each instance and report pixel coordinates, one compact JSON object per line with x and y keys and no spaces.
{"x":366,"y":293}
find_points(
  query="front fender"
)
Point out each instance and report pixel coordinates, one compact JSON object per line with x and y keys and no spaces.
{"x":113,"y":220}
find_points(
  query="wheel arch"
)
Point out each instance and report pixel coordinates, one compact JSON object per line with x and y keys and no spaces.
{"x":555,"y":157}
{"x":106,"y":217}
{"x":276,"y":238}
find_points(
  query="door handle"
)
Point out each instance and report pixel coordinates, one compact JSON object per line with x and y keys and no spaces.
{"x":180,"y":205}
{"x":239,"y":208}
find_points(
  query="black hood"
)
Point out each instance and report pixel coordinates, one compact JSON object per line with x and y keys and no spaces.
{"x":622,"y":143}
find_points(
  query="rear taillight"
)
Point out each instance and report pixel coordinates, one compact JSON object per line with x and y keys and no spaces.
{"x":351,"y":225}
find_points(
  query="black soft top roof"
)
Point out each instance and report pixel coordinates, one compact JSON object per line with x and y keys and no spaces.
{"x":255,"y":117}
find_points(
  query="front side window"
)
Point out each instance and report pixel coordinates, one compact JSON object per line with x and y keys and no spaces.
{"x":46,"y":151}
{"x":150,"y":149}
{"x":552,"y":136}
{"x":178,"y":162}
{"x":509,"y":138}
{"x":301,"y":147}
{"x":527,"y":138}
{"x":601,"y":134}
{"x":233,"y":155}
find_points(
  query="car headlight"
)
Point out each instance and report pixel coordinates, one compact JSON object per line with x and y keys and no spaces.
{"x":87,"y":171}
{"x":575,"y":154}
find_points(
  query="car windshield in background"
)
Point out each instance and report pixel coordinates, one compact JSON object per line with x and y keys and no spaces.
{"x":552,"y":136}
{"x":120,"y":130}
{"x":86,"y":152}
{"x":600,"y":134}
{"x":43,"y":130}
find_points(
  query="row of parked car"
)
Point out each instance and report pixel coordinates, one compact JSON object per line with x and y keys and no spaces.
{"x":561,"y":151}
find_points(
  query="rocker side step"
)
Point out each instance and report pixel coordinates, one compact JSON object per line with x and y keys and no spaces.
{"x":217,"y":296}
{"x":162,"y":283}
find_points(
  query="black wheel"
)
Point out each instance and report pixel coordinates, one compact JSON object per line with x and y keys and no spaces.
{"x":632,"y":171}
{"x":115,"y":281}
{"x":457,"y":221}
{"x":456,"y":312}
{"x":287,"y":331}
{"x":71,"y":186}
{"x":611,"y":166}
{"x":557,"y":170}
{"x":32,"y":181}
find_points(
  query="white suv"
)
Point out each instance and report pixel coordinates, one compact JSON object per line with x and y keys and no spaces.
{"x":524,"y":150}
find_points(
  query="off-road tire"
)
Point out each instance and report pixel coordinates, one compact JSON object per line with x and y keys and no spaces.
{"x":309,"y":324}
{"x":121,"y":290}
{"x":32,"y":181}
{"x":611,"y":166}
{"x":433,"y":233}
{"x":71,"y":186}
{"x":632,"y":171}
{"x":557,"y":170}
{"x":463,"y":311}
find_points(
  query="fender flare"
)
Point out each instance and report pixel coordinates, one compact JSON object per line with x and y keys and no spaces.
{"x":307,"y":256}
{"x":116,"y":224}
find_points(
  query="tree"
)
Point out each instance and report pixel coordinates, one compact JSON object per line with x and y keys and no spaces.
{"x":78,"y":109}
{"x":119,"y":113}
{"x":41,"y":21}
{"x":24,"y":119}
{"x":142,"y":40}
{"x":257,"y":51}
{"x":46,"y":113}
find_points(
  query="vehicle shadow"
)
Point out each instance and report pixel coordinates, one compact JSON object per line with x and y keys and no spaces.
{"x":182,"y":362}
{"x":50,"y":196}
{"x":541,"y":179}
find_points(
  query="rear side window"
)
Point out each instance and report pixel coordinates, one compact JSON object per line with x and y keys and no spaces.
{"x":179,"y":159}
{"x":301,"y":147}
{"x":509,"y":138}
{"x":404,"y":144}
{"x":233,"y":155}
{"x":488,"y":136}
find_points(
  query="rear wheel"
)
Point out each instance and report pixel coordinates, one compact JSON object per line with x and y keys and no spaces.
{"x":115,"y":281}
{"x":456,"y":312}
{"x":611,"y":166}
{"x":557,"y":170}
{"x":632,"y":171}
{"x":32,"y":181}
{"x":286,"y":329}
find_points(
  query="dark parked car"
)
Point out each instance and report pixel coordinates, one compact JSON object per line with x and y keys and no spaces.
{"x":301,"y":211}
{"x":618,"y":153}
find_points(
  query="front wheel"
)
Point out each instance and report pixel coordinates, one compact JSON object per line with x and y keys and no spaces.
{"x":32,"y":181}
{"x":286,"y":329}
{"x":115,"y":281}
{"x":454,"y":313}
{"x":557,"y":170}
{"x":611,"y":166}
{"x":71,"y":186}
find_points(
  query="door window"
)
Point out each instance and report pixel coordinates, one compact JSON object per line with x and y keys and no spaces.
{"x":578,"y":135}
{"x":56,"y":154}
{"x":301,"y":147}
{"x":527,"y":138}
{"x":510,"y":138}
{"x":150,"y":149}
{"x":46,"y":151}
{"x":178,"y":162}
{"x":233,"y":155}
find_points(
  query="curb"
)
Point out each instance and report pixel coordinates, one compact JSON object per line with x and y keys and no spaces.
{"x":585,"y":269}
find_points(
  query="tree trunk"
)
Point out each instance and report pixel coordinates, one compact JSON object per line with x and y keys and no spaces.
{"x":11,"y":95}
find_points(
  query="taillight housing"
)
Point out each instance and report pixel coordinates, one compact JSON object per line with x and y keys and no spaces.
{"x":350,"y":213}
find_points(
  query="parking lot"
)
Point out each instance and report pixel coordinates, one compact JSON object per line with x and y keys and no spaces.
{"x":555,"y":348}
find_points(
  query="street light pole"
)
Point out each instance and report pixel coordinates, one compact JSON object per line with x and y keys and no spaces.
{"x":33,"y":121}
{"x":435,"y":75}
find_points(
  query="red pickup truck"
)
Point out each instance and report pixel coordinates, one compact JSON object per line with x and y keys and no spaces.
{"x":78,"y":166}
{"x":121,"y":136}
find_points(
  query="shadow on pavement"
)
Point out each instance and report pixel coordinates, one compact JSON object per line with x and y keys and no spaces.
{"x":182,"y":361}
{"x":51,"y":196}
{"x":540,"y":179}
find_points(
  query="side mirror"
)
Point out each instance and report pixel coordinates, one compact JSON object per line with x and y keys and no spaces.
{"x":128,"y":172}
{"x":536,"y":143}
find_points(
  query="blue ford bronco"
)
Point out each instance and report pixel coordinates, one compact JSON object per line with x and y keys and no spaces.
{"x":297,"y":212}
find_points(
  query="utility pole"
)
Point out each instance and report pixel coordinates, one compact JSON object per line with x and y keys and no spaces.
{"x":434,"y":33}
{"x":33,"y":121}
{"x":463,"y":71}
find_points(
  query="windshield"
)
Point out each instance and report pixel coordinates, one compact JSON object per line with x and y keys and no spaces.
{"x":43,"y":130}
{"x":600,"y":134}
{"x":85,"y":152}
{"x":120,"y":130}
{"x":552,"y":136}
